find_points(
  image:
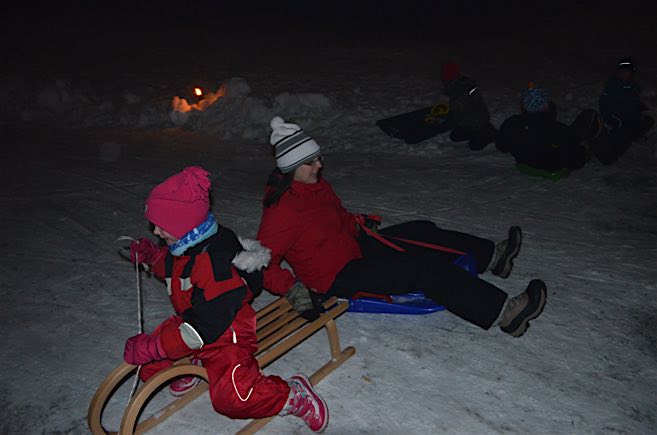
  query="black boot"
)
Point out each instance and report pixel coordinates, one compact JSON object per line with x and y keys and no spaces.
{"x":519,"y":310}
{"x":505,"y":251}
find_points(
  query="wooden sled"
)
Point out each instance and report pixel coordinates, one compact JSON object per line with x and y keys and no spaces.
{"x":279,"y":329}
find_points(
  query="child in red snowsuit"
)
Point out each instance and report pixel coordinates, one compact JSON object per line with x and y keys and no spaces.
{"x":210,"y":277}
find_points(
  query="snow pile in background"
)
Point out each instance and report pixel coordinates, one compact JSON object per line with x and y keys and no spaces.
{"x":341,"y":121}
{"x":230,"y":112}
{"x":62,"y":103}
{"x":237,"y":114}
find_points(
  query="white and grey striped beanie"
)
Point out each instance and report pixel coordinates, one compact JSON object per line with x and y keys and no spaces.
{"x":292,"y":145}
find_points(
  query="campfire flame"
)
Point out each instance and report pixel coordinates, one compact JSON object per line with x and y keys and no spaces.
{"x":205,"y":100}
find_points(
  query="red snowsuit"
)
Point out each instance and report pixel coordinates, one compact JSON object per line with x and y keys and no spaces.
{"x":311,"y":229}
{"x":216,"y":303}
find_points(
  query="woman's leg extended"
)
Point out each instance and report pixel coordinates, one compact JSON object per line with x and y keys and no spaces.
{"x":481,"y":249}
{"x":470,"y":298}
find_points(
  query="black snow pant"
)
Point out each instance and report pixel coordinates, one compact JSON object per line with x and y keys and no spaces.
{"x":611,"y":144}
{"x":637,"y":128}
{"x":384,"y":270}
{"x":477,"y":138}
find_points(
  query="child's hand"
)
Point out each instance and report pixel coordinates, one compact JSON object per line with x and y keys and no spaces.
{"x":145,"y":251}
{"x":142,"y":349}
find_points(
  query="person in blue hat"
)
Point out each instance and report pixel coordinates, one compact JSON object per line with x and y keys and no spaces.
{"x":535,"y":138}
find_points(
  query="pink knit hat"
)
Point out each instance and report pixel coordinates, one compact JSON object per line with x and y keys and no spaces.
{"x":181,"y":202}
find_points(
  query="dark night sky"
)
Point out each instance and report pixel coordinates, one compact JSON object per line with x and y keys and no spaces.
{"x":38,"y":25}
{"x":46,"y":39}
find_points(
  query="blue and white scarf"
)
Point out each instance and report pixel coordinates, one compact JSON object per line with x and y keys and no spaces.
{"x":204,"y":230}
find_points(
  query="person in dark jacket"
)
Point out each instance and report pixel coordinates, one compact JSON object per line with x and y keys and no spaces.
{"x":335,"y":253}
{"x":210,"y":278}
{"x":468,"y":114}
{"x":620,"y":105}
{"x":535,"y":138}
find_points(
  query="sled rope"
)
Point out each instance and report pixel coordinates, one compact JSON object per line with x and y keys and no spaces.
{"x":140,"y":315}
{"x":140,"y":321}
{"x":384,"y":239}
{"x":428,"y":245}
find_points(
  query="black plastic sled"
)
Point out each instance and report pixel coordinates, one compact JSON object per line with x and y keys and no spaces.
{"x":418,"y":125}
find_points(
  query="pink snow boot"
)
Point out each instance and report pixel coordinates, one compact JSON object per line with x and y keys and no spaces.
{"x":305,"y":403}
{"x":182,"y":385}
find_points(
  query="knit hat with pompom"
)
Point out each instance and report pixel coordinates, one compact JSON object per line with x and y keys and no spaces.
{"x":292,"y":146}
{"x":181,"y":202}
{"x":535,"y":99}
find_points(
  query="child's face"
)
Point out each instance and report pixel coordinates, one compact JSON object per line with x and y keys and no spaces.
{"x":168,"y":238}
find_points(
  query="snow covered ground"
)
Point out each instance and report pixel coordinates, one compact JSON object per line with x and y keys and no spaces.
{"x":83,"y":144}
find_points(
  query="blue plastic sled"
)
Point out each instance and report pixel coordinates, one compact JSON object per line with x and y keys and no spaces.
{"x":408,"y":303}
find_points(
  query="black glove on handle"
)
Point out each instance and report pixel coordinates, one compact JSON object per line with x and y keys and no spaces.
{"x":301,"y":300}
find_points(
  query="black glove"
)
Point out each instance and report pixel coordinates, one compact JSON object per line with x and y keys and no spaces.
{"x":302,"y":301}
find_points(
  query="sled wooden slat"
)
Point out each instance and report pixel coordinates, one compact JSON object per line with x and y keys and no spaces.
{"x":275,"y":325}
{"x":279,"y":329}
{"x":265,"y":315}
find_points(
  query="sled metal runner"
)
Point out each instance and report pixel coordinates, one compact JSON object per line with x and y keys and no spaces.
{"x":279,"y":329}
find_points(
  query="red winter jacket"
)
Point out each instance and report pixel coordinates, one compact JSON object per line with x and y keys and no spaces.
{"x":208,"y":293}
{"x":311,"y":230}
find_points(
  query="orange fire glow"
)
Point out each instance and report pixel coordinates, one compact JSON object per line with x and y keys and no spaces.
{"x":204,"y":100}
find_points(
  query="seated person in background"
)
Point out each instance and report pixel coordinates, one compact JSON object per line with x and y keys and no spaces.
{"x":469,"y":117}
{"x":620,"y":106}
{"x":535,"y":138}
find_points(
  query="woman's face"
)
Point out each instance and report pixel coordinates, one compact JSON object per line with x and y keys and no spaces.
{"x":168,"y":238}
{"x":308,"y":172}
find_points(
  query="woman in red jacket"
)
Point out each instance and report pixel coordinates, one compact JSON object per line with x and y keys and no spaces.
{"x":305,"y":224}
{"x":210,"y":277}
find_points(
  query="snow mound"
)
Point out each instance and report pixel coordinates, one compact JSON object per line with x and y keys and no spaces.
{"x":62,"y":103}
{"x":234,"y":113}
{"x":231,"y":111}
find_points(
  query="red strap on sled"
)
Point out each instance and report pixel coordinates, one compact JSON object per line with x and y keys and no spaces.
{"x":382,"y":238}
{"x":359,"y":295}
{"x":428,"y":245}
